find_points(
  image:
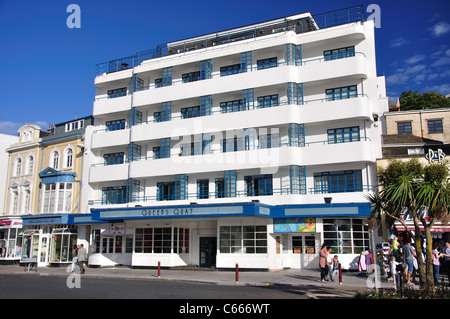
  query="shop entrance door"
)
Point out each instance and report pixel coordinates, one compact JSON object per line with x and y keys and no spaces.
{"x":208,"y":251}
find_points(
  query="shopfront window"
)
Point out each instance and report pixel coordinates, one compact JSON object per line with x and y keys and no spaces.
{"x":346,"y":236}
{"x":10,"y":243}
{"x":62,"y":243}
{"x":245,"y":239}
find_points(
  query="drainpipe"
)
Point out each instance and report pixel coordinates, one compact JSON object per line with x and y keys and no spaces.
{"x":39,"y":188}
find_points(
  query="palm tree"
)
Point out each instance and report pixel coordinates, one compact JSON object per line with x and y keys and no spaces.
{"x":410,"y":188}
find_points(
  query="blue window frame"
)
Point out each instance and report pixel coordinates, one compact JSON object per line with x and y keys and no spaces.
{"x":296,"y":134}
{"x":117,"y":93}
{"x":341,"y":93}
{"x":114,"y":195}
{"x":298,"y":179}
{"x":404,"y":128}
{"x":259,"y":185}
{"x":230,"y":69}
{"x":190,"y":112}
{"x":267,"y":101}
{"x":435,"y":126}
{"x":343,"y":135}
{"x":338,"y":182}
{"x":166,"y":191}
{"x":202,"y":188}
{"x":115,"y":125}
{"x":230,"y":183}
{"x":190,"y":77}
{"x":113,"y":158}
{"x":267,"y":63}
{"x":220,"y":187}
{"x":339,"y":53}
{"x":232,"y":106}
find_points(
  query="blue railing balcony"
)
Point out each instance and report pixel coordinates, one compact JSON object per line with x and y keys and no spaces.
{"x":303,"y":25}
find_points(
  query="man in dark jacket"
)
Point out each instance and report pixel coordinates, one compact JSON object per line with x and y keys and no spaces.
{"x":82,"y":257}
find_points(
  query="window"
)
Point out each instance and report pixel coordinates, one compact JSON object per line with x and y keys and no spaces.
{"x":74,"y":125}
{"x":30,"y":165}
{"x":232,"y":106}
{"x":267,"y":101}
{"x":202,"y":188}
{"x":27,"y":200}
{"x":230,"y":69}
{"x":115,"y":125}
{"x":260,"y":185}
{"x":95,"y":246}
{"x":243,"y":239}
{"x":341,"y":93}
{"x":339,"y":53}
{"x":267,"y":63}
{"x":220,"y":187}
{"x":338,"y":182}
{"x":346,"y":236}
{"x":190,"y":77}
{"x":57,"y":197}
{"x":183,"y":240}
{"x":54,"y":160}
{"x":65,"y":198}
{"x":343,"y":135}
{"x":166,"y":190}
{"x":18,"y":167}
{"x":68,"y":158}
{"x":48,"y":204}
{"x":14,"y":200}
{"x":113,"y":158}
{"x":190,"y":112}
{"x":404,"y":128}
{"x":117,"y":93}
{"x":114,"y":195}
{"x":154,"y":240}
{"x":435,"y":126}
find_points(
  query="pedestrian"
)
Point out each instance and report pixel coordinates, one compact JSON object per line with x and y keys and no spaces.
{"x":334,"y":268}
{"x":82,"y":257}
{"x":409,"y":255}
{"x":395,"y":246}
{"x":436,"y":264}
{"x":323,"y":255}
{"x":446,"y":255}
{"x":74,"y":255}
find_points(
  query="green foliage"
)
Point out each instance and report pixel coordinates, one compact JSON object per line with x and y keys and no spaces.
{"x":410,"y":100}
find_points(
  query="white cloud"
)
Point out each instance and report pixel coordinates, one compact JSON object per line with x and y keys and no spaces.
{"x":398,"y":42}
{"x":441,"y":62}
{"x":444,"y":89}
{"x":398,"y":78}
{"x":9,"y":127}
{"x":416,"y":58}
{"x":439,"y":29}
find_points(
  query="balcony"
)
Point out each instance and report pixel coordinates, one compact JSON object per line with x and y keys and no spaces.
{"x":105,"y":105}
{"x":104,"y":138}
{"x":108,"y":173}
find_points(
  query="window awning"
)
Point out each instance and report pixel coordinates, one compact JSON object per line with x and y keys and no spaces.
{"x":438,"y":226}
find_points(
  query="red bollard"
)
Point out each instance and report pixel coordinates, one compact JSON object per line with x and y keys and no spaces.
{"x":237,"y":273}
{"x":159,"y":269}
{"x":340,"y":274}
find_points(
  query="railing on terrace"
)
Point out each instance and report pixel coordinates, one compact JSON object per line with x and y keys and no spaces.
{"x":215,"y":75}
{"x":250,"y":106}
{"x":317,"y":22}
{"x":221,"y":194}
{"x":274,"y":146}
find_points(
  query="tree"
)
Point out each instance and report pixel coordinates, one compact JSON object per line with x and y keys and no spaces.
{"x":420,"y":191}
{"x":410,"y":100}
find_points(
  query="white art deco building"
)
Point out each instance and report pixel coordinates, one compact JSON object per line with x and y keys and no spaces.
{"x":250,"y":146}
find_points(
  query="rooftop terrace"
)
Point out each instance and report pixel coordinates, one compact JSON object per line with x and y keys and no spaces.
{"x":300,"y":23}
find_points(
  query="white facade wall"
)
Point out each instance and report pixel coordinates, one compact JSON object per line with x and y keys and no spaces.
{"x":317,"y":155}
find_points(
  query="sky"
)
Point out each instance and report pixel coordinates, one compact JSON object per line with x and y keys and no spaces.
{"x":48,"y":69}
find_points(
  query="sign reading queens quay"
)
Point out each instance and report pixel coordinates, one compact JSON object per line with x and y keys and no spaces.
{"x":156,"y":212}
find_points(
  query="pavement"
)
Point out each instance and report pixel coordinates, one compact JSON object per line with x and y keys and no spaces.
{"x":296,"y":278}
